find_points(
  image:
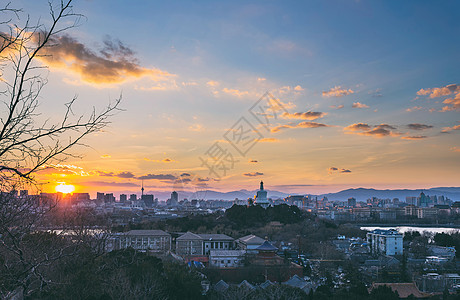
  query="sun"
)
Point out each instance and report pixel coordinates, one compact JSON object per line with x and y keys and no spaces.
{"x":64,"y":188}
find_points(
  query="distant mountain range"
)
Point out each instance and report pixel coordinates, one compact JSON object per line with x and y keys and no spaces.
{"x":361,"y":194}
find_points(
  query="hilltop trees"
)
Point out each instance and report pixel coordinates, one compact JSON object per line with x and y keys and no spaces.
{"x":29,"y":140}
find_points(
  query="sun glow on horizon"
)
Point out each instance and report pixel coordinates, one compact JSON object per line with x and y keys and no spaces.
{"x":64,"y":188}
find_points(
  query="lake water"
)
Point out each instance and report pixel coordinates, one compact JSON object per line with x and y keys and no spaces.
{"x":403,"y":229}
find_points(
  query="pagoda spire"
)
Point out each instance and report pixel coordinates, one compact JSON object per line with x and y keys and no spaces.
{"x":261,"y":185}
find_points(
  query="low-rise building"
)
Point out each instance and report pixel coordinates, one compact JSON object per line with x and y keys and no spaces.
{"x":226,"y":258}
{"x":149,"y":240}
{"x":249,"y":243}
{"x":386,"y":242}
{"x":201,"y":244}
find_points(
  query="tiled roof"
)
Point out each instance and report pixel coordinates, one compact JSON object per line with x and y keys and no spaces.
{"x":404,"y":289}
{"x":217,"y":253}
{"x":215,"y":236}
{"x":266,"y":246}
{"x":189,"y":236}
{"x":146,"y":232}
{"x":251,"y":240}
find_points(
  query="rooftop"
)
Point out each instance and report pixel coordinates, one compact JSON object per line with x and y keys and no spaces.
{"x":146,"y":233}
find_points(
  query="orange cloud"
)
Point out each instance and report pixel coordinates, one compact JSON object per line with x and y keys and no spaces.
{"x":337,"y":106}
{"x":106,"y":156}
{"x":359,"y":105}
{"x":269,"y":140}
{"x":379,"y":131}
{"x":115,"y":63}
{"x":414,"y":137}
{"x":253,"y":174}
{"x":235,"y":92}
{"x":332,"y":170}
{"x":300,"y":125}
{"x":453,"y":103}
{"x":212,"y":83}
{"x":414,"y":108}
{"x":439,"y":92}
{"x":337,"y":91}
{"x":455,"y":149}
{"x":309,"y":115}
{"x":449,"y":129}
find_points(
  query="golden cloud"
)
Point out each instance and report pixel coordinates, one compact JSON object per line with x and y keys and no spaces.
{"x":115,"y":63}
{"x":414,"y":137}
{"x":235,"y":92}
{"x":309,"y":115}
{"x":337,"y":91}
{"x":379,"y":131}
{"x":359,"y":105}
{"x":268,"y":140}
{"x":300,"y":125}
{"x":453,"y":103}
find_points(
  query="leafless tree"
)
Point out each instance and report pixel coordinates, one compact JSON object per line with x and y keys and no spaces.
{"x":29,"y":141}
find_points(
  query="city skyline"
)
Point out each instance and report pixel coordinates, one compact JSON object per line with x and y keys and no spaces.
{"x":368,"y":94}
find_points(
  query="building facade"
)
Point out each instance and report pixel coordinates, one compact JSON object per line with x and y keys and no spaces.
{"x":386,"y":242}
{"x":148,"y":240}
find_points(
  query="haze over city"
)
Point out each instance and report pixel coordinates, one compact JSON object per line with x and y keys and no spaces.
{"x":367,"y":94}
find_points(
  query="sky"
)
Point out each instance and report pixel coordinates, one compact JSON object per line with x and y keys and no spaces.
{"x":308,"y":96}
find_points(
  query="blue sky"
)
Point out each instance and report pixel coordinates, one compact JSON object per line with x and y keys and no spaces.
{"x":201,"y":66}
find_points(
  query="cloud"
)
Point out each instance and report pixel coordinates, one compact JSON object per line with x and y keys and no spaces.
{"x":337,"y":106}
{"x":381,"y":130}
{"x":414,"y":137}
{"x":359,"y":105}
{"x":449,"y":129}
{"x":253,"y":174}
{"x":417,"y":126}
{"x":439,"y":92}
{"x":309,"y":115}
{"x":300,"y":125}
{"x":157,"y":177}
{"x":455,"y":149}
{"x":212,"y":83}
{"x":185,"y":175}
{"x":106,"y":156}
{"x":196,"y":127}
{"x":268,"y":140}
{"x":123,"y":174}
{"x":453,"y":103}
{"x":332,"y":170}
{"x":358,"y":126}
{"x":298,"y":88}
{"x":253,"y":161}
{"x":114,"y":184}
{"x":337,"y":91}
{"x":115,"y":63}
{"x":235,"y":92}
{"x":414,"y":108}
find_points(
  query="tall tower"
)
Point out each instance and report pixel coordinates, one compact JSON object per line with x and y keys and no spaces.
{"x":142,"y":189}
{"x":261,"y":185}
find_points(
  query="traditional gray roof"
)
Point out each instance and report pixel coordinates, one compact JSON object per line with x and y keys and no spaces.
{"x":251,"y":240}
{"x":266,"y":284}
{"x":215,"y":236}
{"x":246,"y":284}
{"x":189,"y":236}
{"x":221,"y":286}
{"x":266,"y":246}
{"x":146,"y":233}
{"x":225,"y":253}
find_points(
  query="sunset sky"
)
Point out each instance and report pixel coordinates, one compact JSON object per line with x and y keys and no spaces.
{"x":366,"y":94}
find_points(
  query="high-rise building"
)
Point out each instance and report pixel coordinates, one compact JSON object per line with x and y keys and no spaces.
{"x":351,"y":202}
{"x":109,"y":198}
{"x":123,"y":198}
{"x":100,"y":196}
{"x":148,"y":200}
{"x":133,"y":197}
{"x":174,"y":199}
